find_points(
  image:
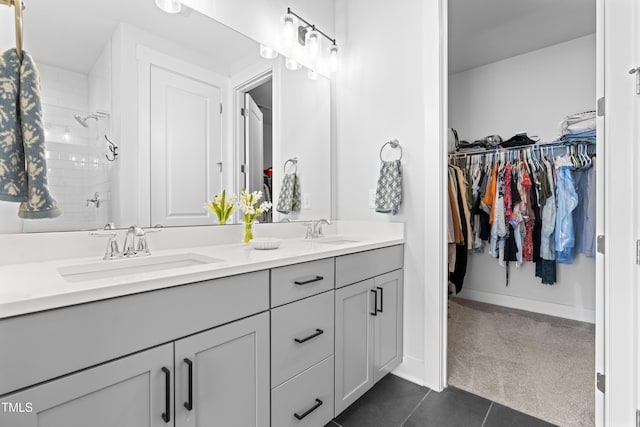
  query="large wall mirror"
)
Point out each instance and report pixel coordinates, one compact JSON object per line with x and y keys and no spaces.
{"x":148,"y":115}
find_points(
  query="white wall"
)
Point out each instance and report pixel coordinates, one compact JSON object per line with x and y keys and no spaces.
{"x":305,"y":132}
{"x":531,"y":92}
{"x":388,"y":87}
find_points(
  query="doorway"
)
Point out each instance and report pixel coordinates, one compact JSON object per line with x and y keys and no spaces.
{"x":255,"y":141}
{"x":490,"y":87}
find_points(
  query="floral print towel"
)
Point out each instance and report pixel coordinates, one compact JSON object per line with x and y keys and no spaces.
{"x":23,"y":167}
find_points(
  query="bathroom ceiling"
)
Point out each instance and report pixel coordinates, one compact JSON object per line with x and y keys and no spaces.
{"x":85,"y":26}
{"x":486,"y":31}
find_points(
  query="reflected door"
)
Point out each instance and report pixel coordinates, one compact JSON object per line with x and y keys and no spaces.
{"x":186,"y":145}
{"x":254,"y":135}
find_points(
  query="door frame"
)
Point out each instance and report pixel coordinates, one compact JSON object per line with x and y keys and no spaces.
{"x":241,"y":83}
{"x":602,"y":284}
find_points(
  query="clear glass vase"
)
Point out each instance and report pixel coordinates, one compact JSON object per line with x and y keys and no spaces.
{"x":248,"y":232}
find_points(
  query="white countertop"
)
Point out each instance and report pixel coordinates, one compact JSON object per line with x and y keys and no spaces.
{"x":31,"y":287}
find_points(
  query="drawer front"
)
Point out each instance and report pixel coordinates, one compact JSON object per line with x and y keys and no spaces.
{"x":308,"y":395}
{"x":365,"y":265}
{"x":301,"y":336}
{"x":115,"y":327}
{"x":298,"y":281}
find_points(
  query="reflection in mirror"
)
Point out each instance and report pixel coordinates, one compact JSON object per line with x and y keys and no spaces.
{"x":144,"y":120}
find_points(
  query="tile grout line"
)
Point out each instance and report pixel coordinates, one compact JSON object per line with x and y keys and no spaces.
{"x":487,"y":414}
{"x":414,"y":409}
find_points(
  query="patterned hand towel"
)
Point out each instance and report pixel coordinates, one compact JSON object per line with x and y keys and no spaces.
{"x":389,"y":191}
{"x":23,"y":167}
{"x":290,"y":198}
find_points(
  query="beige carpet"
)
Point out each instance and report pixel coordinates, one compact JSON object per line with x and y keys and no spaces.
{"x":540,"y":365}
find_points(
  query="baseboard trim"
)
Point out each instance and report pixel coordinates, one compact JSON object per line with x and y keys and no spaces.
{"x":542,"y":307}
{"x":411,"y":369}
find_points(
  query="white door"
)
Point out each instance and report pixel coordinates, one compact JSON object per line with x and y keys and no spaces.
{"x":186,"y":146}
{"x":622,"y":109}
{"x":254,"y":128}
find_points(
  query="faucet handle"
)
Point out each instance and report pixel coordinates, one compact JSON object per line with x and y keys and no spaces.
{"x":112,"y":250}
{"x":311,"y":226}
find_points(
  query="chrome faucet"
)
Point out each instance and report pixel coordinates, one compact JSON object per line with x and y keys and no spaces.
{"x":131,"y":247}
{"x":317,"y":229}
{"x":314,"y":228}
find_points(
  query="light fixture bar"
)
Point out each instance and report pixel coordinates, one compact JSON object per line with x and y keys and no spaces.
{"x":310,"y":25}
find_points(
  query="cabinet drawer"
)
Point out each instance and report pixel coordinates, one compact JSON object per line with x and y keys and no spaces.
{"x":310,"y":322}
{"x":298,"y":281}
{"x":365,"y":265}
{"x":300,"y":395}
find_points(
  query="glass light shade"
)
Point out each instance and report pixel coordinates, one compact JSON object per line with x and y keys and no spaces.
{"x":312,"y":41}
{"x":312,"y":74}
{"x":292,"y":64}
{"x":169,"y":6}
{"x":288,"y":28}
{"x":333,"y":58}
{"x":267,"y":52}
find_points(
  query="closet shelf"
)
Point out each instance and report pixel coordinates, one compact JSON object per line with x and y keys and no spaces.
{"x":552,"y":144}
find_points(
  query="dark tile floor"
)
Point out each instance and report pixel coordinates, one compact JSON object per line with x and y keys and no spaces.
{"x":395,"y":402}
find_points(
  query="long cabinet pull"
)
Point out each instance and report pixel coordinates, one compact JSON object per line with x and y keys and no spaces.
{"x":166,"y":415}
{"x":375,"y":302}
{"x":381,"y":300}
{"x":315,"y":334}
{"x":189,"y":403}
{"x":306,"y":282}
{"x":316,"y":406}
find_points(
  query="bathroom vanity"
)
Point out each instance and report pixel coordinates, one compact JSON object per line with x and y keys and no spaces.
{"x":286,"y":337}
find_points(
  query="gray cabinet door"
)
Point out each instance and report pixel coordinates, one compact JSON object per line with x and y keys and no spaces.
{"x":129,"y":392}
{"x":387,"y":341}
{"x":354,"y":343}
{"x":230,"y":375}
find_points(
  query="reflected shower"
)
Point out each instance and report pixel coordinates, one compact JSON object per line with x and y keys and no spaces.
{"x":96,"y":116}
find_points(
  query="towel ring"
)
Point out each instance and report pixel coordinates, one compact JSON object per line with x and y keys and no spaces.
{"x":293,"y":160}
{"x":394,"y":144}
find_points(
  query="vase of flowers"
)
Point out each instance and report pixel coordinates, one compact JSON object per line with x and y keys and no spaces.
{"x":222,"y":206}
{"x":251,"y":208}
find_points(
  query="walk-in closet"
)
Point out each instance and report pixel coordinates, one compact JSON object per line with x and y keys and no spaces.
{"x":523,"y":208}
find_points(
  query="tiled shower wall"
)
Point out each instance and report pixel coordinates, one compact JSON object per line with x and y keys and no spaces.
{"x":77,"y":167}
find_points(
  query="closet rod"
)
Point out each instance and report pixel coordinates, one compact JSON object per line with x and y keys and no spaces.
{"x":552,"y":144}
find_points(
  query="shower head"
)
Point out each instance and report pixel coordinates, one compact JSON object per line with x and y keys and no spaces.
{"x":82,"y":120}
{"x":96,"y":116}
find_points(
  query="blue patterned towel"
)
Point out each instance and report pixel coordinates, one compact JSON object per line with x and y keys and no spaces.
{"x":389,"y":191}
{"x":23,"y":166}
{"x":290,"y":198}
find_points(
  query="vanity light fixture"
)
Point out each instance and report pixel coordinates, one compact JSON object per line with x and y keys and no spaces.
{"x":309,"y":36}
{"x":267,"y":52}
{"x":67,"y":135}
{"x":333,"y":57}
{"x":169,"y":6}
{"x":312,"y":40}
{"x":292,"y":64}
{"x":288,"y":27}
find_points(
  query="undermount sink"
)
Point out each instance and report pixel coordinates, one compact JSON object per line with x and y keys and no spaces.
{"x":336,"y":240}
{"x":127,"y":266}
